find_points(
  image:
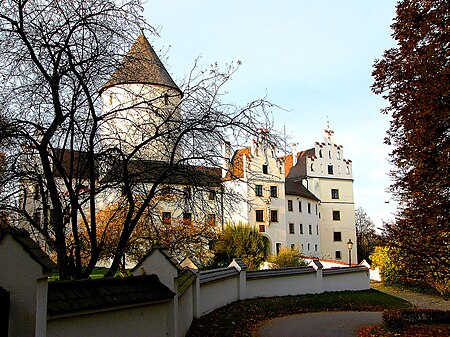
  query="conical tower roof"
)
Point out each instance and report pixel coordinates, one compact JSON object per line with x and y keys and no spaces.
{"x":141,"y":65}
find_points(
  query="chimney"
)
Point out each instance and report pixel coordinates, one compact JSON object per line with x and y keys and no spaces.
{"x":226,"y":157}
{"x":294,"y":154}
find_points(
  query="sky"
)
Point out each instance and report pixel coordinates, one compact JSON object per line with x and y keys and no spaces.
{"x":314,"y":58}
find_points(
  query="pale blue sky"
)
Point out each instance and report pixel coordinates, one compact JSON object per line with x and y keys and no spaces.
{"x":312,"y":57}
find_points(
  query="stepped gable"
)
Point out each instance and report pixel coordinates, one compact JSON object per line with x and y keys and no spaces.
{"x":236,"y":170}
{"x":142,"y":65}
{"x":295,"y":187}
{"x":102,"y":294}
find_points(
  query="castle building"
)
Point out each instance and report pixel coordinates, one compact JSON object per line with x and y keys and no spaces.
{"x":325,"y":173}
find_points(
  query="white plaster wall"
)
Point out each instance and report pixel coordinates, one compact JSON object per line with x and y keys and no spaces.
{"x":128,"y":105}
{"x":218,"y":294}
{"x":151,"y":320}
{"x":282,"y":285}
{"x":157,"y":263}
{"x":348,"y":281}
{"x":19,"y":275}
{"x":185,"y":310}
{"x":296,"y":217}
{"x":320,"y":182}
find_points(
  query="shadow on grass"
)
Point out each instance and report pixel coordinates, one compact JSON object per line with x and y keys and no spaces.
{"x":239,"y":318}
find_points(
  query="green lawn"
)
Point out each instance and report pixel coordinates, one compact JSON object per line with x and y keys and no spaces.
{"x":239,"y":318}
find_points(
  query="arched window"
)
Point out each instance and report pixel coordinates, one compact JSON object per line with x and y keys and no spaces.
{"x":320,"y":154}
{"x":347,"y":170}
{"x":312,"y":167}
{"x":329,"y":154}
{"x":338,"y":155}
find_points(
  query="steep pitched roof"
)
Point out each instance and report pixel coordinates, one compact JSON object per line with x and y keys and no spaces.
{"x":104,"y":293}
{"x":295,"y":187}
{"x":148,"y":171}
{"x":236,"y":170}
{"x":141,"y":65}
{"x":22,"y":237}
{"x":299,"y":169}
{"x":288,"y":160}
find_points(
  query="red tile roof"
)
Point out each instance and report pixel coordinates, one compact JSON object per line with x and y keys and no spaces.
{"x":236,"y":170}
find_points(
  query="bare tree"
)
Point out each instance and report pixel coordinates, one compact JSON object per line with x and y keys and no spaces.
{"x":67,"y":156}
{"x":365,"y":234}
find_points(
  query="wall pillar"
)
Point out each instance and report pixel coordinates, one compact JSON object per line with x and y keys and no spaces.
{"x":318,"y":267}
{"x":242,"y":283}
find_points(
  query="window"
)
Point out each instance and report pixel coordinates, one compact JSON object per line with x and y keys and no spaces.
{"x":259,"y":215}
{"x":329,"y":154}
{"x":337,"y":254}
{"x":273,"y":191}
{"x":262,"y":228}
{"x":301,"y":228}
{"x":337,"y":236}
{"x":291,"y":228}
{"x":317,"y":211}
{"x":315,"y":247}
{"x":290,"y":207}
{"x":302,"y":247}
{"x":312,"y":167}
{"x":330,"y":169}
{"x":309,"y":207}
{"x":258,"y":190}
{"x":292,"y":246}
{"x":166,"y":218}
{"x":278,"y":247}
{"x":212,"y":195}
{"x":334,"y":193}
{"x":166,"y":99}
{"x":317,"y":229}
{"x":309,"y":246}
{"x":273,"y":215}
{"x":187,"y":218}
{"x":310,"y":229}
{"x":211,"y":219}
{"x":336,"y":215}
{"x":347,"y":170}
{"x":338,"y":155}
{"x":110,"y":99}
{"x":265,"y":169}
{"x":320,"y":154}
{"x":299,"y":206}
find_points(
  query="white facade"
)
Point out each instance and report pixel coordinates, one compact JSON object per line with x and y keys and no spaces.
{"x":302,"y":218}
{"x":257,"y":174}
{"x":325,"y":172}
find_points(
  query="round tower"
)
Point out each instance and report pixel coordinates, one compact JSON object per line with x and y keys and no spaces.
{"x":140,"y":106}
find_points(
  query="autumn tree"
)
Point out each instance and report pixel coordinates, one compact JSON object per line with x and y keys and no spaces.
{"x":415,"y":79}
{"x":56,"y":60}
{"x":366,"y":235}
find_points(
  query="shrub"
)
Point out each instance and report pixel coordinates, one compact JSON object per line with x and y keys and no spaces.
{"x":382,"y":258}
{"x":241,"y":241}
{"x":288,"y":258}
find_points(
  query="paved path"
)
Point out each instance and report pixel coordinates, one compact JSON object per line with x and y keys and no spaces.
{"x":420,"y":300}
{"x":319,"y":324}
